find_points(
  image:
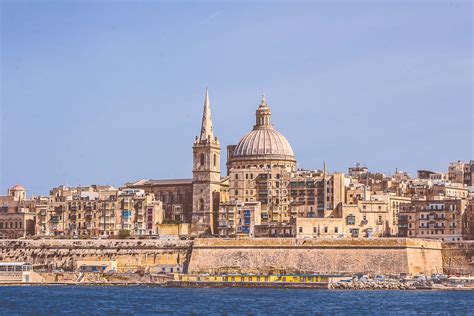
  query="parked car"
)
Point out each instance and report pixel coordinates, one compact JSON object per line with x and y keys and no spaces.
{"x":379,"y":278}
{"x":346,"y":281}
{"x":439,"y":278}
{"x":421,"y":277}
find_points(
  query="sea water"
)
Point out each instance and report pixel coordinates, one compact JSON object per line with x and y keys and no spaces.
{"x":142,"y":300}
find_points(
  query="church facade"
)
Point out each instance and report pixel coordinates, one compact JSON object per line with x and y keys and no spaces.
{"x":261,"y":195}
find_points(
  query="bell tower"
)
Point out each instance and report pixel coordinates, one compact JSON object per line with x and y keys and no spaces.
{"x":206,"y":176}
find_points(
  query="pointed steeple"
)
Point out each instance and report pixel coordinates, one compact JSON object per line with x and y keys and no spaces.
{"x":206,"y":126}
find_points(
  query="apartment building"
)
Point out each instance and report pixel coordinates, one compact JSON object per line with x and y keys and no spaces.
{"x":366,"y":219}
{"x":436,"y":219}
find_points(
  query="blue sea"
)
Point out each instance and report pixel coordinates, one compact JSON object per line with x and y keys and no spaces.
{"x":140,"y":300}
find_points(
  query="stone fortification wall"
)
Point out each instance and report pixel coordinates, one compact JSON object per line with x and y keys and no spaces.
{"x":260,"y":255}
{"x":129,"y":254}
{"x":375,"y":256}
{"x":458,"y":257}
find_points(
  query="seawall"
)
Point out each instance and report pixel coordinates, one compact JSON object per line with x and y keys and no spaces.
{"x":63,"y":254}
{"x":374,"y":256}
{"x":262,"y":256}
{"x":458,"y":257}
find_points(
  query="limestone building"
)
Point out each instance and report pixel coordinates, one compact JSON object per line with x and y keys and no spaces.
{"x":461,"y":172}
{"x":260,"y":168}
{"x":92,"y":211}
{"x":206,"y":175}
{"x":366,"y":219}
{"x":194,"y":200}
{"x":436,"y":219}
{"x":17,"y":214}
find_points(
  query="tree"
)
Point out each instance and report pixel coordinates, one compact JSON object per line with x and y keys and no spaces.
{"x":124,"y":233}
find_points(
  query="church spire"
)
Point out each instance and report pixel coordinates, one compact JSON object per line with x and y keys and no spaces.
{"x":206,"y":127}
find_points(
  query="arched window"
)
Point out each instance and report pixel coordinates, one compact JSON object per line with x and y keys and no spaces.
{"x":202,"y":159}
{"x":215,"y":160}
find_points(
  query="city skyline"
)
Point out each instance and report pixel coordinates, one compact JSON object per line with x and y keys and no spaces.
{"x":113,"y":106}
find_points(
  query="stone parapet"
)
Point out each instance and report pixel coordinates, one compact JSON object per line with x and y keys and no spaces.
{"x":64,"y":254}
{"x":458,"y":257}
{"x":289,"y":255}
{"x":257,"y":255}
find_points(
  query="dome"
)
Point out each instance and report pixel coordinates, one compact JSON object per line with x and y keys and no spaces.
{"x":18,"y":188}
{"x":264,"y":141}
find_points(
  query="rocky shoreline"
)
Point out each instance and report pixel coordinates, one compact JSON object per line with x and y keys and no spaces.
{"x":345,"y":286}
{"x":386,"y":285}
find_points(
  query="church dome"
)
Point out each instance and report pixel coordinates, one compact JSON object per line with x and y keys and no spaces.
{"x":18,"y":187}
{"x":264,"y":141}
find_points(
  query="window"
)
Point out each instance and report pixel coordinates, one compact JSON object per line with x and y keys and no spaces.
{"x":354,"y":232}
{"x":315,"y":229}
{"x":215,"y":160}
{"x":325,"y":229}
{"x":236,"y":176}
{"x":350,"y":220}
{"x":301,"y":229}
{"x":336,"y":229}
{"x":202,"y":159}
{"x":201,"y":205}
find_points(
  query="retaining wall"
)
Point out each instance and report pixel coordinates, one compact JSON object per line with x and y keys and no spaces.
{"x":375,"y":256}
{"x":259,"y":255}
{"x":458,"y":257}
{"x":129,"y":254}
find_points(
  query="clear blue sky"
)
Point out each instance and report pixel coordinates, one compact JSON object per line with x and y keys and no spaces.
{"x":108,"y":92}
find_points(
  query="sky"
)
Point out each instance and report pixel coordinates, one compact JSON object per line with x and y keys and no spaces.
{"x":108,"y":92}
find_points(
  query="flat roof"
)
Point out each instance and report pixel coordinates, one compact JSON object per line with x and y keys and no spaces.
{"x":169,"y":182}
{"x":2,"y":264}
